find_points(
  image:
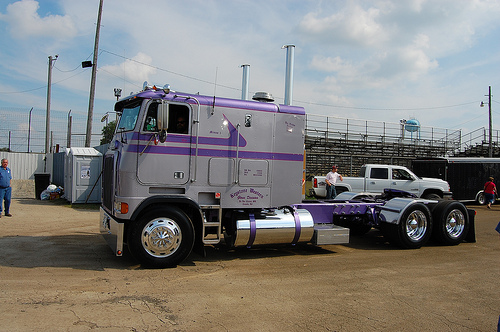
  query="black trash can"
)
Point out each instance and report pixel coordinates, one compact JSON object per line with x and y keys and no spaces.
{"x":42,"y":181}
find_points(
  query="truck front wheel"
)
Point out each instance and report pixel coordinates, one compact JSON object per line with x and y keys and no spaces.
{"x":414,"y":228}
{"x":161,"y":238}
{"x":451,"y":222}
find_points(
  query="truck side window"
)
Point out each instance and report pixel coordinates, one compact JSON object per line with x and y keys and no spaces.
{"x":401,"y":174}
{"x":379,"y":173}
{"x":150,"y":123}
{"x":178,"y":119}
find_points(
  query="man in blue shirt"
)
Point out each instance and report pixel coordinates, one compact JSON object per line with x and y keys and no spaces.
{"x":5,"y":188}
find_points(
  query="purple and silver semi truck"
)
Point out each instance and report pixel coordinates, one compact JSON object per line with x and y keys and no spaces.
{"x":185,"y":170}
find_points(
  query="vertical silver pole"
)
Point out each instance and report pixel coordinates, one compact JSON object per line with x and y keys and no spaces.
{"x":290,"y":51}
{"x":245,"y":80}
{"x":88,"y":136}
{"x":29,"y":130}
{"x":49,"y":89}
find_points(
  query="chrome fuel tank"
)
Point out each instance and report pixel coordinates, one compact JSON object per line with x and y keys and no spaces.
{"x":277,"y":226}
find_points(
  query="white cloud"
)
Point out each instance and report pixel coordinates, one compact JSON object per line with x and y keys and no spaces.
{"x":25,"y":22}
{"x":136,"y":69}
{"x":353,"y":25}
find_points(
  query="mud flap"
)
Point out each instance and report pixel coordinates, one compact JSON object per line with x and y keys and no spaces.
{"x":471,"y":235}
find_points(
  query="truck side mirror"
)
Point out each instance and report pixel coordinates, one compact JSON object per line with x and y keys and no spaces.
{"x":163,"y":136}
{"x":163,"y":110}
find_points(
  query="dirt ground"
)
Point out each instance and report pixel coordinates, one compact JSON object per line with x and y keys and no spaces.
{"x":57,"y":274}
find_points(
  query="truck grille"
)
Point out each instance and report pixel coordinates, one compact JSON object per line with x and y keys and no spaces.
{"x":107,"y":182}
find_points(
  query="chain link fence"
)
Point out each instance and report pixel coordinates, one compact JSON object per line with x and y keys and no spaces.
{"x":23,"y":130}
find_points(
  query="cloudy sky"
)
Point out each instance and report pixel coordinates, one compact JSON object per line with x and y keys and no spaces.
{"x":375,"y":60}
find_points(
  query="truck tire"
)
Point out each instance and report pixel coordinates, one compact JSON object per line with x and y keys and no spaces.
{"x":480,"y":199}
{"x":161,"y":238}
{"x":414,"y":228}
{"x":451,"y":222}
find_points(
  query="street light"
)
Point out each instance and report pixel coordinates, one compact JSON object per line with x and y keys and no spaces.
{"x":490,"y":147}
{"x":118,"y":93}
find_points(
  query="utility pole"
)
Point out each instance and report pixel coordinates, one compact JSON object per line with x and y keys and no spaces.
{"x":490,"y":152}
{"x":68,"y":139}
{"x":49,"y":89}
{"x":88,"y":136}
{"x":29,"y":130}
{"x":490,"y":145}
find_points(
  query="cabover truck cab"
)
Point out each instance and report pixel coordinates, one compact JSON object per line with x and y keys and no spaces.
{"x":184,"y":171}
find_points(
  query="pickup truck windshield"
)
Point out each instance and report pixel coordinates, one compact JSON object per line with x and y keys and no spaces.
{"x":129,"y":115}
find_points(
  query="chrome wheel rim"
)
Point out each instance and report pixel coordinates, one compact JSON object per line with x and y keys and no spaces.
{"x":455,"y":223}
{"x":416,"y":225}
{"x":161,"y":237}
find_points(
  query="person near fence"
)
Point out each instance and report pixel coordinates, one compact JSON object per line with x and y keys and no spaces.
{"x":331,"y":180}
{"x":5,"y":188}
{"x":490,"y":189}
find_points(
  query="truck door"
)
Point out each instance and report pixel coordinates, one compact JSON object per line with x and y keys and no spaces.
{"x":402,"y":180}
{"x":378,"y":180}
{"x":165,"y":163}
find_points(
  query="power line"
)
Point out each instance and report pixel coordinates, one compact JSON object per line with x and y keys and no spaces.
{"x":386,"y":109}
{"x":171,"y":72}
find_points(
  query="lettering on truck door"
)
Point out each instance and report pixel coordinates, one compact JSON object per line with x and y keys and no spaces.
{"x":169,"y":162}
{"x":402,"y":180}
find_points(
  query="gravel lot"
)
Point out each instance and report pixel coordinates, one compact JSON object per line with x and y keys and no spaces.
{"x":57,"y":274}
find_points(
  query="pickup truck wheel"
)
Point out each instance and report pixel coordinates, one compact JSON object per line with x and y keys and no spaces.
{"x":414,"y":228}
{"x":451,"y":222}
{"x":161,"y":238}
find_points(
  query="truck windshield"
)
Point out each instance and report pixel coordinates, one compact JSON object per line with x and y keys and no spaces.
{"x":129,"y":115}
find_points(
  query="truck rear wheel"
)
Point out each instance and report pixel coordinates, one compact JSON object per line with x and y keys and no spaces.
{"x":451,"y":222}
{"x":414,"y":228}
{"x":161,"y":238}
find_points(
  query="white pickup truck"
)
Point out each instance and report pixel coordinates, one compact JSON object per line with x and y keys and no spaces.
{"x":375,"y":178}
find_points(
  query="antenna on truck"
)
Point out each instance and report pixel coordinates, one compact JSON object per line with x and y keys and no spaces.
{"x":215,"y":89}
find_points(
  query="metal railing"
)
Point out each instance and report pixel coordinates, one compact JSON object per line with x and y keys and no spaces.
{"x":334,"y":128}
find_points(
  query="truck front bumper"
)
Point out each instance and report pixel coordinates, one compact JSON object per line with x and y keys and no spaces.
{"x":112,"y":232}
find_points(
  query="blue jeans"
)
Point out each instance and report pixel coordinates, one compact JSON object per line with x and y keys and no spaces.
{"x":5,"y":195}
{"x":331,"y":192}
{"x":489,"y":198}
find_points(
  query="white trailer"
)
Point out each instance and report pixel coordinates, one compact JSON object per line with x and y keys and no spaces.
{"x":235,"y":173}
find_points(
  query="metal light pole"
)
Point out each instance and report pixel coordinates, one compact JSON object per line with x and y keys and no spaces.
{"x":88,"y":135}
{"x":29,"y":130}
{"x":47,"y":120}
{"x":490,"y":134}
